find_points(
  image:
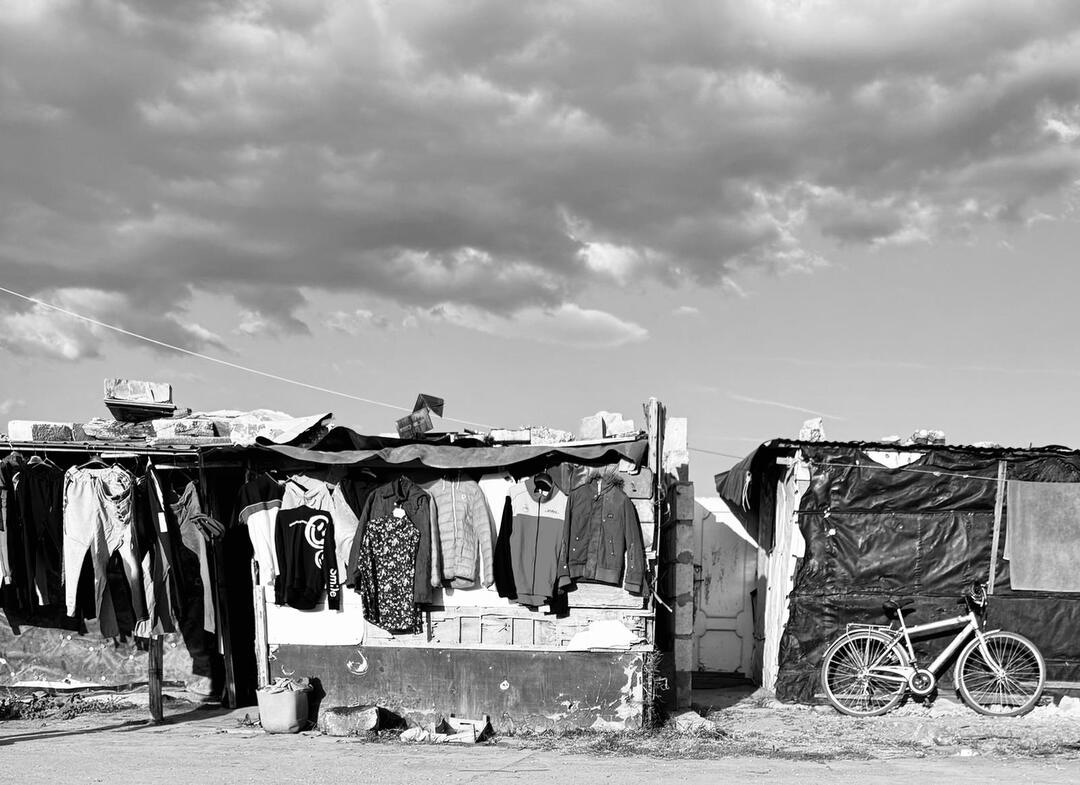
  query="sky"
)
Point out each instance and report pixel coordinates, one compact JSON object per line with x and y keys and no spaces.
{"x":758,"y":212}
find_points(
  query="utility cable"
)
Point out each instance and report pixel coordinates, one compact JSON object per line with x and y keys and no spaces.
{"x":219,"y":361}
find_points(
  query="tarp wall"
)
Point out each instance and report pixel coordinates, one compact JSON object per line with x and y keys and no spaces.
{"x":923,"y":531}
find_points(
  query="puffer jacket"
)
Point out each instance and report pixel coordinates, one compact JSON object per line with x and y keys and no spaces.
{"x":465,"y":531}
{"x":602,"y":531}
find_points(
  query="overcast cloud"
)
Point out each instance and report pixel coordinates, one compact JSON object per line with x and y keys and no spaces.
{"x":494,"y":163}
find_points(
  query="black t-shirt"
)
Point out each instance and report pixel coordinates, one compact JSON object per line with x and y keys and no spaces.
{"x":307,"y":559}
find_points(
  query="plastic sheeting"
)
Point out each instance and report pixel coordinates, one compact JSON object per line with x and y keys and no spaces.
{"x":922,"y":531}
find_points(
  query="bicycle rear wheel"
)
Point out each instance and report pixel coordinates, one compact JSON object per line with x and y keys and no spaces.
{"x":860,"y":673}
{"x":1009,"y":682}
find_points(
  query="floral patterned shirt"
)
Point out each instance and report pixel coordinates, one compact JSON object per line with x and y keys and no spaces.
{"x":387,"y":568}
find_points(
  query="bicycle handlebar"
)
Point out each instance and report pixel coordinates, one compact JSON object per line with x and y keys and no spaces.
{"x":976,"y":593}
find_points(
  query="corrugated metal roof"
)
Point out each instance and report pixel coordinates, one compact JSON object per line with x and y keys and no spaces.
{"x":1050,"y":449}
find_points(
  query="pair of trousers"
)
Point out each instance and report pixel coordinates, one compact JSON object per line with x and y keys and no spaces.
{"x":98,"y":520}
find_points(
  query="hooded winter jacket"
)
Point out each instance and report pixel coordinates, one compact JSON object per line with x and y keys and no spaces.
{"x":602,"y":531}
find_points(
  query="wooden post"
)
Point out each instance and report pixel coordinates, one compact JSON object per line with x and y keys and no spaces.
{"x":154,"y":672}
{"x":683,"y":595}
{"x":262,"y":644}
{"x":999,"y":504}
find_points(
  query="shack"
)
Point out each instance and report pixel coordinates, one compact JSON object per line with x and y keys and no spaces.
{"x":843,"y":526}
{"x":604,"y":651}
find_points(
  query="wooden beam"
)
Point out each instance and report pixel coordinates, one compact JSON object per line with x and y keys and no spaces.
{"x":999,"y":504}
{"x":262,"y":645}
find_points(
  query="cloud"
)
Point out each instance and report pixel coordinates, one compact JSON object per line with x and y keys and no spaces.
{"x":46,"y":332}
{"x":568,"y":324}
{"x":9,"y":405}
{"x":490,"y":156}
{"x":687,"y":310}
{"x":356,"y":322}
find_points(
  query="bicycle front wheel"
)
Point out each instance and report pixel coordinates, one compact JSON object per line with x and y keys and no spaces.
{"x":862,"y":673}
{"x":1005,"y":679}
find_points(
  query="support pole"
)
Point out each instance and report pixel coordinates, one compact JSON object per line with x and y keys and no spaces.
{"x":262,"y":646}
{"x":999,"y":505}
{"x":155,"y":669}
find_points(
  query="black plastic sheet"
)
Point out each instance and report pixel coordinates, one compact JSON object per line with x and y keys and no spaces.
{"x":922,"y":531}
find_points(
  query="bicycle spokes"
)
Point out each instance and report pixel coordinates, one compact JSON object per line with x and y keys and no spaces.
{"x":861,"y":674}
{"x":1004,"y":674}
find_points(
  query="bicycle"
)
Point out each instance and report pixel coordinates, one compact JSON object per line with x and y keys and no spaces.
{"x":870,"y":668}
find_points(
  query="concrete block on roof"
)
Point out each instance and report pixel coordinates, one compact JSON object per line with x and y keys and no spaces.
{"x":606,"y":425}
{"x":40,"y":431}
{"x":510,"y":435}
{"x":113,"y":431}
{"x":137,"y":391}
{"x":616,"y":425}
{"x":592,"y":427}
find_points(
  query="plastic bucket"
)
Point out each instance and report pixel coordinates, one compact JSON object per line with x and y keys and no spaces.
{"x":283,"y":712}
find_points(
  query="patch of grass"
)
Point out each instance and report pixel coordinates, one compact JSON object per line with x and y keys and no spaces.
{"x":61,"y":707}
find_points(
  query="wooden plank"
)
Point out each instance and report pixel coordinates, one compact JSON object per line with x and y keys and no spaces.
{"x":999,"y":504}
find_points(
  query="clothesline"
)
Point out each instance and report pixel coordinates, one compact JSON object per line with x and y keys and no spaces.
{"x":219,"y":361}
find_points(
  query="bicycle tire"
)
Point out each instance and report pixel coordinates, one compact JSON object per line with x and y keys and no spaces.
{"x":848,"y":685}
{"x":1012,"y":692}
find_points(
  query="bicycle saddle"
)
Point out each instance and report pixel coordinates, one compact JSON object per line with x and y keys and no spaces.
{"x":892,"y":606}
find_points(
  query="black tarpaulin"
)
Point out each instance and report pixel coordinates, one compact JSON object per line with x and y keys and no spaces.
{"x":922,"y":531}
{"x":736,"y":488}
{"x":342,"y":446}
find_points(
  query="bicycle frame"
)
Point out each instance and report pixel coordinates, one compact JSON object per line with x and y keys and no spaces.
{"x":969,"y":624}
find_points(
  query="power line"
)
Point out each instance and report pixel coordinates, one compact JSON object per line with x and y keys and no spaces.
{"x":714,"y":452}
{"x":219,"y":361}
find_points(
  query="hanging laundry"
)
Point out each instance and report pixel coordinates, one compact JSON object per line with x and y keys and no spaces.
{"x":97,"y":520}
{"x":529,"y":548}
{"x":385,"y":572}
{"x":40,"y":495}
{"x":259,"y":501}
{"x":402,"y":493}
{"x":156,"y":535}
{"x":322,"y":491}
{"x":307,"y":558}
{"x":199,"y":604}
{"x":464,"y":529}
{"x":14,"y":594}
{"x":602,"y":532}
{"x":1042,"y":536}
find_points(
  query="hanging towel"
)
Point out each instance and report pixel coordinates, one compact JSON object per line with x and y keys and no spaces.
{"x":1042,"y":539}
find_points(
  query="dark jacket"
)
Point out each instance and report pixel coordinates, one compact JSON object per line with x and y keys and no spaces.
{"x":602,"y":529}
{"x":416,"y":503}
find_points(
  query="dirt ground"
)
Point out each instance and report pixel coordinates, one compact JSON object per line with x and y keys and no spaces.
{"x":109,"y":739}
